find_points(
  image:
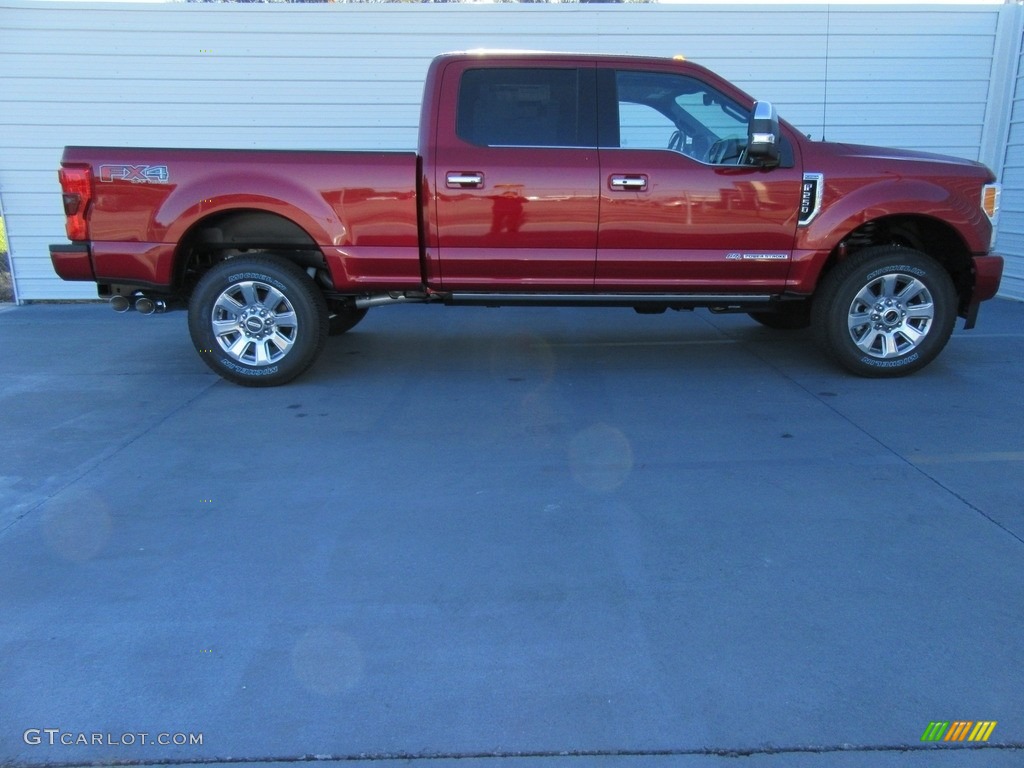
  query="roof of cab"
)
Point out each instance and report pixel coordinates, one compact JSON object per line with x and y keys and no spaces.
{"x":507,"y":53}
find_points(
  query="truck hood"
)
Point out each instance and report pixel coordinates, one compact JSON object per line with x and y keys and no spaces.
{"x":890,"y":156}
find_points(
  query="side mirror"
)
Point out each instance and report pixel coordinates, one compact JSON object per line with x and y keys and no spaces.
{"x":763,"y":139}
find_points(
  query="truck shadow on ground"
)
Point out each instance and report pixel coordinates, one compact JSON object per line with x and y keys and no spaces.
{"x":535,"y":347}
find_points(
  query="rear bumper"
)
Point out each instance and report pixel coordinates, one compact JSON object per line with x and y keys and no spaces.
{"x":72,"y":261}
{"x":144,"y":264}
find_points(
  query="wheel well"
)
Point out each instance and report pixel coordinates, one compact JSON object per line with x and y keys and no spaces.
{"x":227,"y":234}
{"x":932,"y":237}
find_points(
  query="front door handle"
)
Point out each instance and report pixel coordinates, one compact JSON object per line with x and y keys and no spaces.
{"x":464,"y":180}
{"x":631,"y":183}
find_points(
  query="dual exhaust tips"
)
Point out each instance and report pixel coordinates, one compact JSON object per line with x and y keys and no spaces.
{"x":142,"y":304}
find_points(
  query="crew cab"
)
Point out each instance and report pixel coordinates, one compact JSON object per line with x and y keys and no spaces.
{"x":543,"y":179}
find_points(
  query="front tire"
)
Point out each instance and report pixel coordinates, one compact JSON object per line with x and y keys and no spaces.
{"x":258,"y":321}
{"x":885,"y":312}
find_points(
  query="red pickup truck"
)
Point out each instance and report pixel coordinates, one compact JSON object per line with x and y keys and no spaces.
{"x":543,"y":179}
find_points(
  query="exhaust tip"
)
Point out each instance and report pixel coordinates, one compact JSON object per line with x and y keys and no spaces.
{"x":145,"y":305}
{"x":120,"y":303}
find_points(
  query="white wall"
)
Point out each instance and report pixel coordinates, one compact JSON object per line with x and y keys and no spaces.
{"x":349,"y":76}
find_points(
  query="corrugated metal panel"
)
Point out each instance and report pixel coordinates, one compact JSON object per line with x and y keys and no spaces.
{"x":1010,"y":240}
{"x":350,"y":76}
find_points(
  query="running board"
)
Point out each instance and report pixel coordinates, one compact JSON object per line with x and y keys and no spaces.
{"x":668,"y":300}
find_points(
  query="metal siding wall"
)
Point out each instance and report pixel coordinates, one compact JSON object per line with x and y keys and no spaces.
{"x":1010,"y":240}
{"x":350,"y":76}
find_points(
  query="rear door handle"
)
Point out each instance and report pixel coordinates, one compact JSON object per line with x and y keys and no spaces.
{"x":631,"y":182}
{"x":455,"y":180}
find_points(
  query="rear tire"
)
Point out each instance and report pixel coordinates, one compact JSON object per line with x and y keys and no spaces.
{"x":885,"y":312}
{"x":258,"y":321}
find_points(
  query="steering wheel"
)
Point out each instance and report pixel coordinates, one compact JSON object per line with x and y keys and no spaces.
{"x":675,"y":141}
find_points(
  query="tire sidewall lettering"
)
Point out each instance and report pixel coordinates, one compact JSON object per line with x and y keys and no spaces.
{"x":239,"y":277}
{"x":268,"y":371}
{"x":915,"y":271}
{"x":895,"y":363}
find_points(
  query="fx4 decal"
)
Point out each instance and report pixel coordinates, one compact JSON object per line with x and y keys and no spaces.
{"x":137,"y":174}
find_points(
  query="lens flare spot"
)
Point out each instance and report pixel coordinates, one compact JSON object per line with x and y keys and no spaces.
{"x":77,"y":526}
{"x":600,"y":457}
{"x":327,"y":661}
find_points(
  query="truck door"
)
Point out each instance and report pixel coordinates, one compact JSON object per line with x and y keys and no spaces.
{"x":681,"y":209}
{"x":516,"y":178}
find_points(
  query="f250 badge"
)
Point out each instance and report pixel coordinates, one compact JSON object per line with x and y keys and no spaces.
{"x":810,"y":197}
{"x":136,"y":174}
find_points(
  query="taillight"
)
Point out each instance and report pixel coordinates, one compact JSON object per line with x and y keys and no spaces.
{"x":76,"y":184}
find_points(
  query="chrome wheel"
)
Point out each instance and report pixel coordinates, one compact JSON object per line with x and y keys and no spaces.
{"x":254,"y":323}
{"x":891,"y":315}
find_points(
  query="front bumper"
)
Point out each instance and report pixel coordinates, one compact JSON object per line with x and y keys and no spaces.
{"x":988,"y":273}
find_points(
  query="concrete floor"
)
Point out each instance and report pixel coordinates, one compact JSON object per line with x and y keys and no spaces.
{"x":517,"y":537}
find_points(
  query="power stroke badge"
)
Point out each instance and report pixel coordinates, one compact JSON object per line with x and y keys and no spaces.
{"x":756,"y":256}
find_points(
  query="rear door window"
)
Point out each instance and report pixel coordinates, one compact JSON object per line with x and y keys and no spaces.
{"x":521,"y":107}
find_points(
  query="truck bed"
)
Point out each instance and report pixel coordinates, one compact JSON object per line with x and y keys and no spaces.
{"x":358,"y":208}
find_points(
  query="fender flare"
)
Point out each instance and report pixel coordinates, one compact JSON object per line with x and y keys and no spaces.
{"x":210,"y":195}
{"x":887,"y":198}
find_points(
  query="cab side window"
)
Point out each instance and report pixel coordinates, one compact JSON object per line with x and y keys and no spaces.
{"x":661,"y":110}
{"x":520,"y":107}
{"x":641,"y":126}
